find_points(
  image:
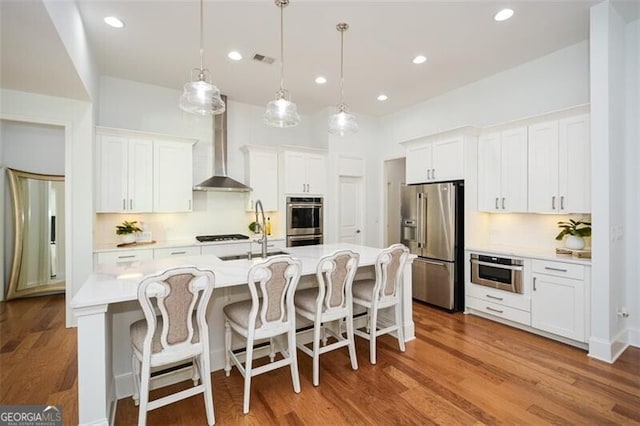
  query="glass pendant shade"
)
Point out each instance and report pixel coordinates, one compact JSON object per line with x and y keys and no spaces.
{"x":281,"y":112}
{"x":342,"y":123}
{"x":202,"y":97}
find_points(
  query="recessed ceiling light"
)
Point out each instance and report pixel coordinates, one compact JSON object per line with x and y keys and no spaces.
{"x":420,"y":59}
{"x":234,"y":55}
{"x":382,"y":97}
{"x":320,"y":80}
{"x":503,"y":15}
{"x":114,"y":22}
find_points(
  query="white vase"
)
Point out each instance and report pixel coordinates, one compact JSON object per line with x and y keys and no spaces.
{"x":128,"y":238}
{"x":574,"y":242}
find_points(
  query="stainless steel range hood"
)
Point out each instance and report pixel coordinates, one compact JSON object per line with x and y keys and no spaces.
{"x":220,"y":181}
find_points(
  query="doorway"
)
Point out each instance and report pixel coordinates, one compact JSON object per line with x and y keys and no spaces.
{"x":350,"y":216}
{"x":394,"y":178}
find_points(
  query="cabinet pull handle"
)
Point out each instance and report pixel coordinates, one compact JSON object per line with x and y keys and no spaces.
{"x":189,"y":204}
{"x":562,"y":202}
{"x":130,"y":256}
{"x":534,"y":283}
{"x":428,"y":174}
{"x":433,"y":173}
{"x":494,"y":310}
{"x":124,"y":204}
{"x":548,"y":268}
{"x":494,"y":297}
{"x":130,"y":203}
{"x":553,"y":202}
{"x":502,"y":203}
{"x":497,"y":203}
{"x":178,"y":252}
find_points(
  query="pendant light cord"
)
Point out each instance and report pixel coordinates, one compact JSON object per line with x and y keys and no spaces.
{"x":342,"y":66}
{"x":282,"y":46}
{"x":201,"y":36}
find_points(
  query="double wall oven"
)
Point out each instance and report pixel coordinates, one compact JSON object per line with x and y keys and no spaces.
{"x":304,"y":221}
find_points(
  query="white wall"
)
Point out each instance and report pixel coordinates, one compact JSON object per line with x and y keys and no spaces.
{"x":76,"y":118}
{"x":632,"y":84}
{"x":552,"y":82}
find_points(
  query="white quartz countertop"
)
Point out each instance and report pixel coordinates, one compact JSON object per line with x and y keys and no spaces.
{"x":102,"y":248}
{"x":119,"y":282}
{"x":543,"y":254}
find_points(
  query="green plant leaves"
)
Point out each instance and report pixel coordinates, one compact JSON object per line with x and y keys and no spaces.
{"x":578,"y":228}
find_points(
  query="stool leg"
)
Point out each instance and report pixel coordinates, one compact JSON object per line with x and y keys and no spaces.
{"x":205,"y":375}
{"x":293,"y":354}
{"x":135,"y":370}
{"x":227,"y":348}
{"x":316,"y":352}
{"x":400,"y":332}
{"x":352,"y":342}
{"x":145,"y":377}
{"x":247,"y":376}
{"x":372,"y":335}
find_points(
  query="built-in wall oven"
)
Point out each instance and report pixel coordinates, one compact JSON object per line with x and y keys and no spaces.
{"x":304,"y":221}
{"x":503,"y":273}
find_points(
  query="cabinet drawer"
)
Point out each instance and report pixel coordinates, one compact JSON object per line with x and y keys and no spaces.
{"x":558,"y":269}
{"x":176,"y":251}
{"x":500,"y":297}
{"x":124,"y":256}
{"x":227,"y":249}
{"x":505,"y":312}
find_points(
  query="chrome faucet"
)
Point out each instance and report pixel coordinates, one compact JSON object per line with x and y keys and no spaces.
{"x":263,"y":228}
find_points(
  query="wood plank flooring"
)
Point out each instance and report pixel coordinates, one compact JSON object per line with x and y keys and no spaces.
{"x":460,"y":369}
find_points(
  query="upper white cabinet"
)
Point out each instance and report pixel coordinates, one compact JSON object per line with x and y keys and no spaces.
{"x":138,"y":172}
{"x":435,"y":161}
{"x":124,"y":174}
{"x":559,"y":166}
{"x":172,"y":176}
{"x":261,"y":174}
{"x":304,"y":172}
{"x":502,"y":171}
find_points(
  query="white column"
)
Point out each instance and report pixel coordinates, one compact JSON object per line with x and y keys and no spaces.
{"x":95,"y":395}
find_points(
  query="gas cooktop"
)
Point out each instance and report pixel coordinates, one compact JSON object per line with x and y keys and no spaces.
{"x":223,"y":237}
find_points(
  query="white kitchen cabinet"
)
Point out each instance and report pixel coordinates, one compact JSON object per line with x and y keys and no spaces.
{"x":435,"y":161}
{"x":305,"y":173}
{"x":503,"y":304}
{"x":122,"y":256}
{"x":502,"y":171}
{"x":160,"y":253}
{"x":261,"y":174}
{"x":172,"y":176}
{"x":560,"y":166}
{"x":558,"y":302}
{"x":124,"y":174}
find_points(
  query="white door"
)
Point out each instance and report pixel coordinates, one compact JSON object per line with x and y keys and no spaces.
{"x":350,"y":210}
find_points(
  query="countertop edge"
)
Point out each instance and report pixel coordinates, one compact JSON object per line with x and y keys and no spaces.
{"x":529,"y":253}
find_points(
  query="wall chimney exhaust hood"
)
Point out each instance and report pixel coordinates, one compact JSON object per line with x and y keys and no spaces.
{"x":220,"y":181}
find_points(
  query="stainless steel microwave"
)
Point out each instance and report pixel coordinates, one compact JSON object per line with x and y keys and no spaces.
{"x":503,"y":273}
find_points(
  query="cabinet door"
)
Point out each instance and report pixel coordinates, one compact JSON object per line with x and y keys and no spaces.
{"x":489,"y":189}
{"x":418,"y":163}
{"x":447,"y":160}
{"x":140,"y":183}
{"x":316,"y":172}
{"x":557,"y":306}
{"x":543,"y":168}
{"x":262,"y":177}
{"x":112,"y":176}
{"x":295,"y":175}
{"x":513,"y":159}
{"x":173,"y":180}
{"x":574,"y":162}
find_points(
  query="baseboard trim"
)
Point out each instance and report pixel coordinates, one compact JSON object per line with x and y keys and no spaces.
{"x":609,"y":351}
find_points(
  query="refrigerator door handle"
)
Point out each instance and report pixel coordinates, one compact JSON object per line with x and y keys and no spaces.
{"x":421,"y":220}
{"x":431,"y":262}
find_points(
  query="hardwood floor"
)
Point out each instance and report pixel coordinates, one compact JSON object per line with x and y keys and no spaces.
{"x":460,"y":369}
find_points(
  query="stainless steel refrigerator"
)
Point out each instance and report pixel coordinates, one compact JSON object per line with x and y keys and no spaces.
{"x":433,"y":228}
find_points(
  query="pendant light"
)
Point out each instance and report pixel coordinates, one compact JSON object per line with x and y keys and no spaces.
{"x":281,"y":112}
{"x":342,"y":122}
{"x":200,"y":95}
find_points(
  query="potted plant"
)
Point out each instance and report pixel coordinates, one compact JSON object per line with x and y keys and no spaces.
{"x":574,"y":231}
{"x":128,"y":230}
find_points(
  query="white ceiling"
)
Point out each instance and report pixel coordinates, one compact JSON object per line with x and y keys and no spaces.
{"x":160,"y":45}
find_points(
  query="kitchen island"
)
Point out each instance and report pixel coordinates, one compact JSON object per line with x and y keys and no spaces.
{"x":107,"y":304}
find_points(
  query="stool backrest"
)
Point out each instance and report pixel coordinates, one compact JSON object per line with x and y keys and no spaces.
{"x":335,"y":275}
{"x":389,"y":268}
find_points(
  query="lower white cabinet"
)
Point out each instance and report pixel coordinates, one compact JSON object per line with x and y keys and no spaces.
{"x":558,"y":299}
{"x":510,"y":306}
{"x":176,"y":251}
{"x":123,"y":256}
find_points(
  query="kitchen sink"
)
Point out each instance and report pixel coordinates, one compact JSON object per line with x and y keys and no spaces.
{"x":253,"y":256}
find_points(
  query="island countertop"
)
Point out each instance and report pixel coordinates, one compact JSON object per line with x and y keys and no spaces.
{"x":114,"y":283}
